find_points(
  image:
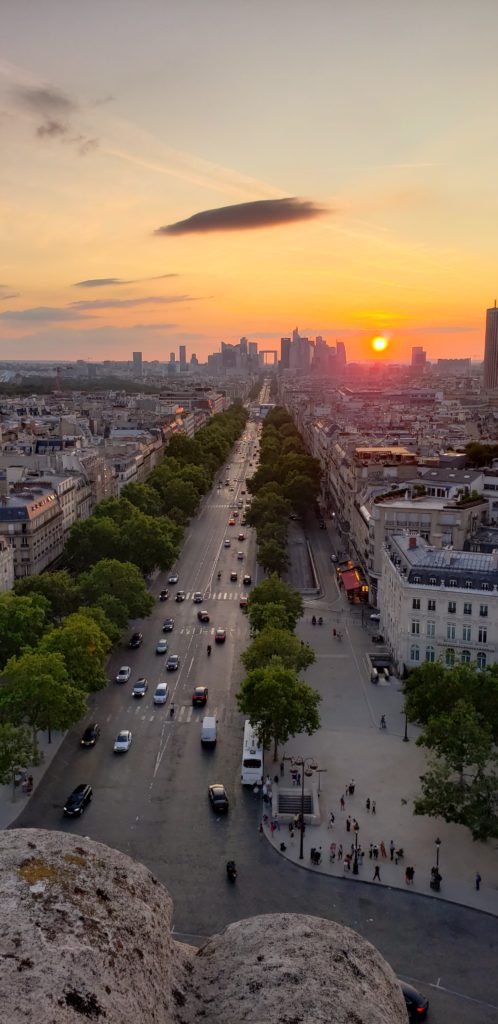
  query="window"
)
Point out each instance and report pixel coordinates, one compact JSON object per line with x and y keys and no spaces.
{"x":483,"y":611}
{"x":468,"y":584}
{"x":414,"y":653}
{"x":432,"y":581}
{"x":481,"y":660}
{"x":467,"y":634}
{"x":416,"y":579}
{"x":450,"y":657}
{"x":415,"y":626}
{"x":416,"y":603}
{"x":484,"y":586}
{"x":465,"y":657}
{"x":450,"y":631}
{"x":430,"y":654}
{"x":431,"y":629}
{"x":431,"y":606}
{"x":452,"y":583}
{"x":467,"y":608}
{"x":452,"y":607}
{"x":483,"y":635}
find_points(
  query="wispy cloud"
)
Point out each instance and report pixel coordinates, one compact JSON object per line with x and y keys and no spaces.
{"x":54,"y":112}
{"x":150,"y":300}
{"x":244,"y":216}
{"x":6,"y":293}
{"x":42,"y":314}
{"x":102,"y":282}
{"x":153,"y":327}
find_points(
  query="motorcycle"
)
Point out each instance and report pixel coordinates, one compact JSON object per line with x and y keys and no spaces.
{"x":172,"y":711}
{"x":208,"y":650}
{"x":313,"y":620}
{"x":231,"y":870}
{"x":219,"y":575}
{"x":320,"y":621}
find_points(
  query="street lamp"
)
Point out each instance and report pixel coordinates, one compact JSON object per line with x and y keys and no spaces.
{"x":308,"y":766}
{"x":438,"y":844}
{"x":355,"y":861}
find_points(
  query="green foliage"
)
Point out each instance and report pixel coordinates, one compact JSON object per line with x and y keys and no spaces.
{"x":36,"y":689}
{"x":89,"y":541}
{"x":278,"y":704}
{"x":84,"y":647}
{"x":275,"y":642}
{"x":118,"y":529}
{"x":478,"y":455}
{"x":263,"y":616}
{"x":432,"y":690}
{"x":275,"y":591}
{"x":273,"y":557}
{"x":59,"y":589}
{"x":22,"y":622}
{"x":17,"y":750}
{"x":144,"y":497}
{"x":121,"y":580}
{"x":99,"y":616}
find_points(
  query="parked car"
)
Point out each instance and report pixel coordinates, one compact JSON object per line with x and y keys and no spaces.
{"x":168,"y":625}
{"x":200,"y":696}
{"x":218,"y":797}
{"x":136,"y":640}
{"x":123,"y":674}
{"x":161,"y":647}
{"x":416,"y":1003}
{"x":375,"y":617}
{"x":90,"y":735}
{"x":78,"y":800}
{"x":173,"y":578}
{"x":172,"y":663}
{"x":180,"y":595}
{"x":220,"y":636}
{"x":140,"y":688}
{"x":164,"y":594}
{"x":202,"y":615}
{"x":122,"y":742}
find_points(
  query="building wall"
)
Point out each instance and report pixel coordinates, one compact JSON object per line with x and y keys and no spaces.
{"x":6,"y":565}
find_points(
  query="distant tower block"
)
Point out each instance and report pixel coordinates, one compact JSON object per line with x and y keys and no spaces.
{"x":491,"y":349}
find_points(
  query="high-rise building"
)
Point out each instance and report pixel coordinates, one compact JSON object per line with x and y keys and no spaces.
{"x":491,"y":349}
{"x":285,"y":344}
{"x":137,"y":364}
{"x":341,"y":354}
{"x":253,"y":348}
{"x":183,"y":355}
{"x":419,"y":357}
{"x":243,"y":346}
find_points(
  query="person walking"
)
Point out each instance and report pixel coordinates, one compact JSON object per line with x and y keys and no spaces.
{"x":339,"y":852}
{"x":383,"y":851}
{"x":343,"y":803}
{"x":367,"y":805}
{"x":478,"y":881}
{"x":376,"y":876}
{"x":374,"y":809}
{"x":348,"y":824}
{"x":347,"y":861}
{"x":331,"y":819}
{"x":351,"y":787}
{"x":356,"y":827}
{"x":392,"y":847}
{"x":376,"y":852}
{"x":371,"y":850}
{"x":298,"y":779}
{"x":277,"y":823}
{"x":282,"y":767}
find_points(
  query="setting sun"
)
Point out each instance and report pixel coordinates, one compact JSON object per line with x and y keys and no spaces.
{"x":379,"y":344}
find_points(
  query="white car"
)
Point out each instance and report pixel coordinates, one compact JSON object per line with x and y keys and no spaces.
{"x":123,"y":742}
{"x":173,"y":578}
{"x":198,"y":598}
{"x":161,"y":647}
{"x":240,"y":555}
{"x":375,"y":617}
{"x":226,"y":543}
{"x":123,"y":674}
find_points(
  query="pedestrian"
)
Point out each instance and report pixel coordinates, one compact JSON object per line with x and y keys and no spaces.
{"x":383,"y":851}
{"x":277,"y":823}
{"x":291,"y":826}
{"x":256,"y":789}
{"x":374,"y":810}
{"x":270,"y":792}
{"x":367,"y":805}
{"x":392,"y":847}
{"x":361,"y":856}
{"x":331,"y":820}
{"x":347,"y":861}
{"x":265,"y":793}
{"x":356,"y":827}
{"x":407,"y":876}
{"x":376,"y":873}
{"x":411,"y":876}
{"x":348,"y":824}
{"x":342,"y":803}
{"x":376,"y":852}
{"x":371,"y":850}
{"x":339,"y":852}
{"x":282,"y":767}
{"x":298,"y":780}
{"x":351,"y":787}
{"x":260,"y":829}
{"x":268,"y":780}
{"x":296,"y":821}
{"x":282,"y":847}
{"x":272,"y":827}
{"x":478,"y":881}
{"x":293,"y":777}
{"x":275,"y":779}
{"x":332,"y":852}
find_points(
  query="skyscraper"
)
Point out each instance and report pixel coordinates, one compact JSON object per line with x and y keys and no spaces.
{"x":183,"y":355}
{"x":137,"y":364}
{"x":491,"y":349}
{"x":285,"y":344}
{"x":419,"y":357}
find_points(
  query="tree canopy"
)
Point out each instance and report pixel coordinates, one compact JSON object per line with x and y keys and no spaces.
{"x":36,"y":689}
{"x":275,"y":642}
{"x":59,"y":589}
{"x":120,"y":580}
{"x":274,"y":591}
{"x":22,"y":623}
{"x":84,"y":647}
{"x":278,"y":704}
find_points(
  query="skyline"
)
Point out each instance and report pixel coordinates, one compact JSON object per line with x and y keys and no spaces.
{"x":247,"y":168}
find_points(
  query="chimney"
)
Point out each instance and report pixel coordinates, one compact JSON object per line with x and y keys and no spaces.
{"x":412,"y":543}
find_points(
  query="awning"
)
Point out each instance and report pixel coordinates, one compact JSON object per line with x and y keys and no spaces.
{"x":351,"y":579}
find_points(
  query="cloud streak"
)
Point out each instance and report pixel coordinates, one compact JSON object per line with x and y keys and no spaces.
{"x":54,"y":112}
{"x":102,"y":282}
{"x":42,"y":314}
{"x":153,"y":327}
{"x":150,"y":300}
{"x":245,"y":216}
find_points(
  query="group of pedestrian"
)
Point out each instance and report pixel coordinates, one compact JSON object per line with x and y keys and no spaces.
{"x":295,"y":777}
{"x":409,"y":875}
{"x":371,"y":805}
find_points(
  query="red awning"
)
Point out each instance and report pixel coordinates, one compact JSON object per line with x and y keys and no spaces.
{"x":351,"y":579}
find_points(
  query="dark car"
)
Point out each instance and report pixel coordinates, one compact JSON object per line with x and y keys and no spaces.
{"x":90,"y":735}
{"x":202,"y":615}
{"x":172,"y":663}
{"x":168,"y":625}
{"x":243,"y":603}
{"x":233,"y":577}
{"x":140,"y":688}
{"x":180,"y":595}
{"x":136,"y":640}
{"x":220,"y":636}
{"x":247,"y":580}
{"x":218,"y":797}
{"x":200,"y":696}
{"x":416,"y":1004}
{"x":163,"y":596}
{"x":77,"y":801}
{"x":377,"y":638}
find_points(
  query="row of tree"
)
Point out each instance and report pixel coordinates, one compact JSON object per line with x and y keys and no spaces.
{"x":458,"y":711}
{"x":287,"y":480}
{"x":57,"y":628}
{"x":277,"y":702}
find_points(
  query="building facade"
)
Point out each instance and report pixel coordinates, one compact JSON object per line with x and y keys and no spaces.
{"x":491,"y":350}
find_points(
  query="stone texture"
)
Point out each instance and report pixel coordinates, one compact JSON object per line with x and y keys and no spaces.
{"x":85,"y":934}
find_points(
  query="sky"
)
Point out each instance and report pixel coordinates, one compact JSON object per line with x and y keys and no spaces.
{"x":191,"y":172}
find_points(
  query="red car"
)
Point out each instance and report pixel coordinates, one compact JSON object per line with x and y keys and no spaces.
{"x":200,"y":695}
{"x":220,"y":636}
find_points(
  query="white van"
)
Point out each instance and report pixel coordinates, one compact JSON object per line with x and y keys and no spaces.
{"x":208,"y":731}
{"x":161,"y":694}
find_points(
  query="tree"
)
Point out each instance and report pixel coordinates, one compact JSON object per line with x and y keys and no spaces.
{"x":97,"y":614}
{"x":91,"y":540}
{"x":59,"y":589}
{"x":36,"y":689}
{"x":269,"y":506}
{"x":121,"y":580}
{"x":183,"y":495}
{"x":300,"y":491}
{"x":16,"y":751}
{"x":114,"y":610}
{"x":143,"y":497}
{"x":274,"y":642}
{"x":84,"y":647}
{"x":197,"y":476}
{"x":278,"y":704}
{"x":432,"y":690}
{"x":149,"y":542}
{"x":22,"y":622}
{"x":275,"y":591}
{"x":273,"y":557}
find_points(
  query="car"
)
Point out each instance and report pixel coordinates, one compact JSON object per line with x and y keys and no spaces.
{"x":243,"y":521}
{"x":247,"y":580}
{"x":200,"y":696}
{"x":161,"y":647}
{"x":233,"y":577}
{"x":136,"y":640}
{"x":240,"y":556}
{"x":164,"y":594}
{"x":123,"y":674}
{"x":243,"y":603}
{"x":168,"y":625}
{"x":236,"y":514}
{"x":197,"y":598}
{"x":242,"y":536}
{"x":140,"y":688}
{"x":202,"y":615}
{"x":172,"y":663}
{"x":416,"y":1003}
{"x":180,"y":596}
{"x":334,"y":558}
{"x":231,"y":521}
{"x":220,"y":636}
{"x":377,"y":638}
{"x":240,"y":504}
{"x":122,"y":742}
{"x":226,"y":543}
{"x":90,"y":735}
{"x":242,"y":492}
{"x":218,"y":797}
{"x":78,"y":800}
{"x":173,"y":578}
{"x":375,"y":617}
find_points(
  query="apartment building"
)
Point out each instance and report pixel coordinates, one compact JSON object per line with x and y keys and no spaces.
{"x":438,"y":604}
{"x":6,"y":565}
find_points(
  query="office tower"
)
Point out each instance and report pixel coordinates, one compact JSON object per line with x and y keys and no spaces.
{"x":341,"y":355}
{"x":253,"y":348}
{"x":172,"y":357}
{"x":285,"y":344}
{"x":419,"y":357}
{"x":183,"y":355}
{"x":194,"y":360}
{"x":243,"y":346}
{"x":491,"y":349}
{"x":137,"y":364}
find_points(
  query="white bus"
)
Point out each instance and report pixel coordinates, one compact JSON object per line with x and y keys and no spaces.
{"x":252,"y":758}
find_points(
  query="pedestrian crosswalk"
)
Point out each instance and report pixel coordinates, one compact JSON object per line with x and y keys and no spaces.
{"x":202,"y":631}
{"x":216,"y":595}
{"x":185,"y":714}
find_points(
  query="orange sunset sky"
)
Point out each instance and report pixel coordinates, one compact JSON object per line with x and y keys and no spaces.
{"x":348,"y":153}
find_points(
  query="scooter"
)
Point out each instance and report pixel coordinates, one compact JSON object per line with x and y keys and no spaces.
{"x":231,"y":870}
{"x":208,"y":650}
{"x":219,"y":575}
{"x":313,"y":620}
{"x":383,"y":723}
{"x":172,"y":711}
{"x":320,"y":621}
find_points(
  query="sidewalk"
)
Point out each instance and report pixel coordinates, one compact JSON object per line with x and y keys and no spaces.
{"x":11,"y":805}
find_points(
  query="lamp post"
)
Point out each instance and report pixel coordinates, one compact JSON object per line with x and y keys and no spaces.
{"x":308,"y":766}
{"x":406,"y":738}
{"x":438,"y":844}
{"x":355,"y":860}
